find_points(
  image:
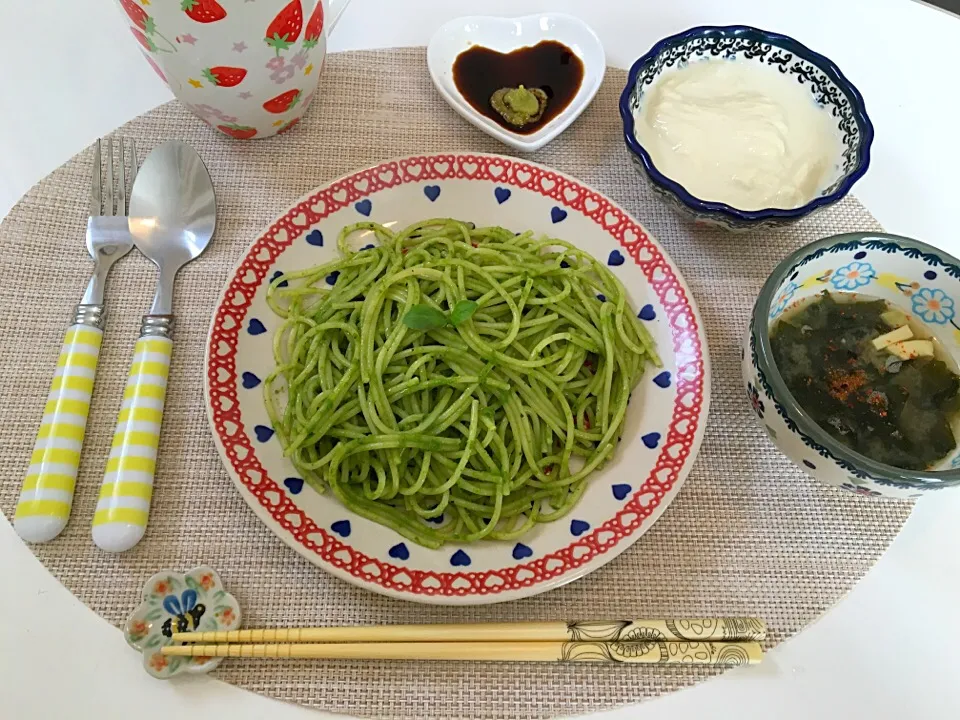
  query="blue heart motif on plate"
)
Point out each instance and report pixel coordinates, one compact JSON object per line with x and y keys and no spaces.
{"x":407,"y":189}
{"x":256,"y":327}
{"x":662,"y":380}
{"x":263,"y":432}
{"x":399,"y":551}
{"x":436,"y":521}
{"x":315,"y":238}
{"x":521,"y":551}
{"x":332,"y":277}
{"x":341,"y":528}
{"x":558,"y":215}
{"x":432,"y":192}
{"x":616,"y":258}
{"x":651,"y":440}
{"x":601,"y":297}
{"x":364,"y":207}
{"x":460,"y":559}
{"x":278,"y":274}
{"x":647,"y":313}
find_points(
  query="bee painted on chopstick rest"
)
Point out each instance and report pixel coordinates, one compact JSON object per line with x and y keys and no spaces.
{"x":185,"y":610}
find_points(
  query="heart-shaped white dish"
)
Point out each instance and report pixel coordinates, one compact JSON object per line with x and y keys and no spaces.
{"x":505,"y":35}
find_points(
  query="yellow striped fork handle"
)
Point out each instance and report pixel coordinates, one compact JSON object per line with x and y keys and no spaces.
{"x":47,"y":493}
{"x":124,"y":503}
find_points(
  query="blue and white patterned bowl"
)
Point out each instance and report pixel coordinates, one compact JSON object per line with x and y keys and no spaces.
{"x":918,"y":279}
{"x":740,"y":43}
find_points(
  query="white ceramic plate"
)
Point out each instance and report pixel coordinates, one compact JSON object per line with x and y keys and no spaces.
{"x":505,"y":35}
{"x":665,"y":419}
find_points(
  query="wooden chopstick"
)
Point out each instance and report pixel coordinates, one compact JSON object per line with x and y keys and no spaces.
{"x":691,"y":630}
{"x":659,"y":653}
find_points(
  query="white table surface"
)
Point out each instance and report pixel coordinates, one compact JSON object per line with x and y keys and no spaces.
{"x":69,"y":72}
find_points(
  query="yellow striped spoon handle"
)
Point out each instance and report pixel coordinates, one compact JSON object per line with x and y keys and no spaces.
{"x":47,"y":493}
{"x":124,"y":503}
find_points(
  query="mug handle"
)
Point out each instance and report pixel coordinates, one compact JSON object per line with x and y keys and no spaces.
{"x":336,"y":11}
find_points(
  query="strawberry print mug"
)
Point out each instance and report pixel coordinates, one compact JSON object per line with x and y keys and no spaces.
{"x":248,"y":69}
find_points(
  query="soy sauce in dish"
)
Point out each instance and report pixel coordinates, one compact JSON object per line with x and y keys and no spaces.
{"x":549,"y":65}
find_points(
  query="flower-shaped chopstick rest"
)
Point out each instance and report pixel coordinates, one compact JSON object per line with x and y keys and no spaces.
{"x":175,"y":602}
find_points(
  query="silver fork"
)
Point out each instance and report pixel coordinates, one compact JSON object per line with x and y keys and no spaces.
{"x":46,"y":496}
{"x":108,"y":237}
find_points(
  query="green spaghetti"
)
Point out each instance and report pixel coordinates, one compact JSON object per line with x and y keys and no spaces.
{"x":452,"y":372}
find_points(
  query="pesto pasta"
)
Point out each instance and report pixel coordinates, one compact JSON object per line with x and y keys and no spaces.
{"x":470,"y":377}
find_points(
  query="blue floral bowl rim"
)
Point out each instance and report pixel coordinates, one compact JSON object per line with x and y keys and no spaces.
{"x":782,"y":41}
{"x":760,"y":323}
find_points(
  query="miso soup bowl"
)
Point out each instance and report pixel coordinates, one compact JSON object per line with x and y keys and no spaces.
{"x":918,"y":279}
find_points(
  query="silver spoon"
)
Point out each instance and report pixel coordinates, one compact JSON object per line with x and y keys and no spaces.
{"x":172,"y":218}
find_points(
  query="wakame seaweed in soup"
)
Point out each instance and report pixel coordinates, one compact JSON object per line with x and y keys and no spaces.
{"x":870,"y":378}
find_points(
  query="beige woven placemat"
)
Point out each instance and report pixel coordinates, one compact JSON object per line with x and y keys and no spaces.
{"x":749,"y":534}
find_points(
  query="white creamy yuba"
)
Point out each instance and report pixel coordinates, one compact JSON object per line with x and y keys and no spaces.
{"x":738,"y":133}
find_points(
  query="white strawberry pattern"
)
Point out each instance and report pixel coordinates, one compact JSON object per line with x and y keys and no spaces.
{"x":275,"y":53}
